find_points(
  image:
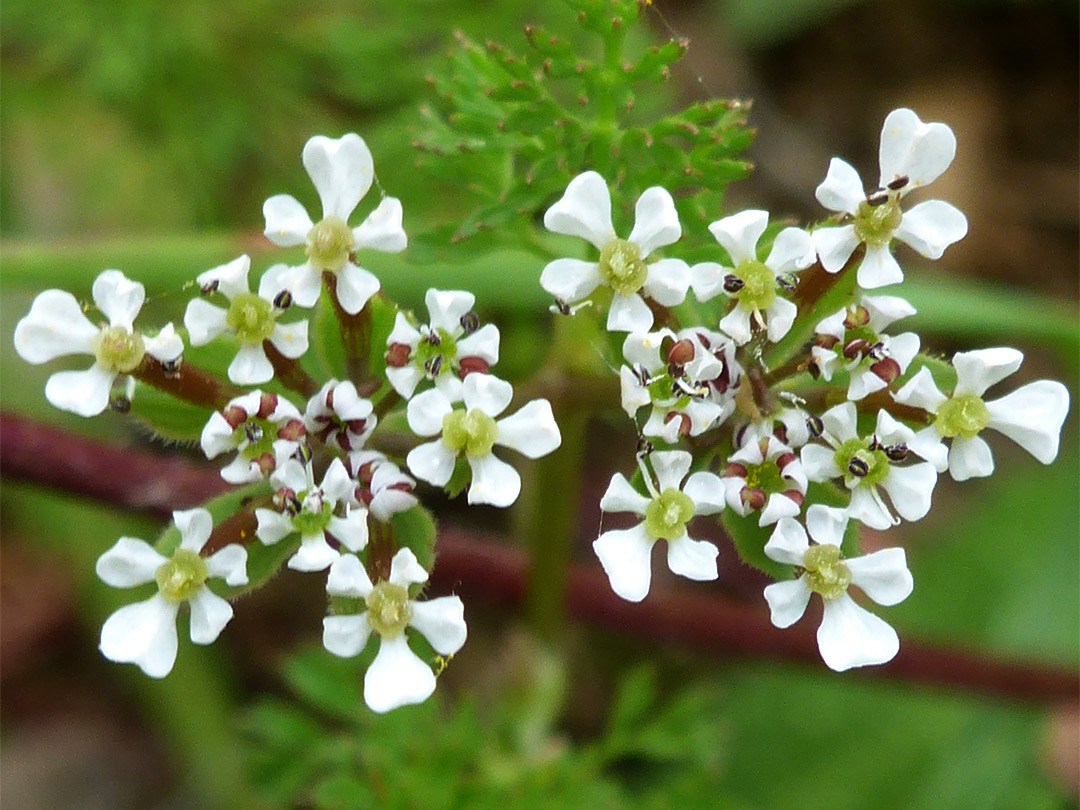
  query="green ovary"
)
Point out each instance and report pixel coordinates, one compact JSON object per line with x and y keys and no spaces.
{"x":252,"y":318}
{"x":472,"y":432}
{"x":118,"y":350}
{"x":877,"y":463}
{"x":766,"y":476}
{"x":183,"y":575}
{"x":826,"y":572}
{"x":759,"y":286}
{"x":426,"y":351}
{"x":965,"y":416}
{"x":329,"y":244}
{"x":264,"y":445}
{"x":875,"y":224}
{"x":666,"y":516}
{"x":388,"y":609}
{"x":308,"y":523}
{"x":621,"y":267}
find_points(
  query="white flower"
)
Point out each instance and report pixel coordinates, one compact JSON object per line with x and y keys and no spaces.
{"x":675,"y":384}
{"x":1031,"y":415}
{"x":585,"y":210}
{"x":849,"y":636}
{"x":380,"y":485}
{"x":751,"y":283}
{"x":867,"y":464}
{"x":626,"y":554}
{"x":252,"y":318}
{"x":264,"y":430}
{"x":765,"y":475}
{"x":342,"y":171}
{"x":309,"y":511}
{"x":852,"y":339}
{"x":912,"y":154}
{"x":56,"y":326}
{"x":473,"y":432}
{"x":452,"y":346}
{"x":788,"y":423}
{"x":145,"y":633}
{"x":397,"y":676}
{"x":339,"y":416}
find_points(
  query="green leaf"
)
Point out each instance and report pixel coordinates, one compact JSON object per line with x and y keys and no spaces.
{"x":749,"y":540}
{"x":416,"y":530}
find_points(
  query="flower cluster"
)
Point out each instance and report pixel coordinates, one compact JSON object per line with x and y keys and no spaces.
{"x":315,"y":444}
{"x":790,"y":420}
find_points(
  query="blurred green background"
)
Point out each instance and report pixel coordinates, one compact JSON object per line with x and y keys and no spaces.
{"x":145,"y":136}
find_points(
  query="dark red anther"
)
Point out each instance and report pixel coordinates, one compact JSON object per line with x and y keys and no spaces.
{"x":469,"y":365}
{"x":854,"y":348}
{"x":357,"y":425}
{"x":734,"y":470}
{"x":785,"y":459}
{"x":826,"y":341}
{"x":684,"y":422}
{"x":235,"y":416}
{"x":887,"y":369}
{"x":680,"y":353}
{"x":753,"y":498}
{"x":796,"y":496}
{"x":398,"y":355}
{"x":815,"y":426}
{"x":292,"y":431}
{"x":857,"y":317}
{"x":267,"y":463}
{"x":267,"y":405}
{"x":896,"y":452}
{"x":732,"y":284}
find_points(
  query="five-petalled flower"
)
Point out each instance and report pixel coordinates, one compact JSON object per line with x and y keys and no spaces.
{"x":263,"y":428}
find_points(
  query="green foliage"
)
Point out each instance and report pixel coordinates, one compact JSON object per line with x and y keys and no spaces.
{"x":415,"y":530}
{"x":515,"y":128}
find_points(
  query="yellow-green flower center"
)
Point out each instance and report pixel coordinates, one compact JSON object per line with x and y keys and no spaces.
{"x":252,"y":318}
{"x":826,"y":572}
{"x":759,"y":286}
{"x":766,"y":476}
{"x":860,"y":465}
{"x":388,"y":609}
{"x":875,"y":224}
{"x":309,"y":522}
{"x":118,"y":350}
{"x":183,"y":575}
{"x":439,"y":344}
{"x":964,"y":415}
{"x":621,"y":267}
{"x":666,"y":516}
{"x":329,"y":244}
{"x":473,"y":432}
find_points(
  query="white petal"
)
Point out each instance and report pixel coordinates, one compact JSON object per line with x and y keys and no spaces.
{"x":870,"y":511}
{"x":347,"y":577}
{"x":671,"y":467}
{"x":583,"y":210}
{"x":834,"y":246}
{"x":625,"y":555}
{"x":883,"y":575}
{"x":442,"y":622}
{"x":927,"y":444}
{"x":850,"y":636}
{"x":885,"y":310}
{"x":348,"y":404}
{"x":656,"y":222}
{"x":382,"y":229}
{"x":166,"y":345}
{"x":128,"y":563}
{"x":932,"y":226}
{"x":303,"y":282}
{"x":912,"y":149}
{"x":271,"y":526}
{"x":693,"y":559}
{"x":85,"y":393}
{"x":842,"y":189}
{"x":118,"y":297}
{"x":314,"y":554}
{"x":531,"y":431}
{"x":969,"y":458}
{"x":451,"y":386}
{"x":827,"y":524}
{"x":432,"y":462}
{"x":1032,"y":417}
{"x":787,"y":601}
{"x":483,"y":343}
{"x":195,"y":526}
{"x":403,"y":332}
{"x":792,"y":250}
{"x":291,"y":339}
{"x":643,"y":348}
{"x":346,"y":636}
{"x":204,"y":321}
{"x":209,"y":615}
{"x":781,"y":315}
{"x":143,"y":634}
{"x":494,"y":482}
{"x":707,"y":279}
{"x":878,"y":269}
{"x":889,"y":431}
{"x":352,"y":530}
{"x":251,"y":366}
{"x":230,"y":564}
{"x":231,"y":278}
{"x":341,"y":170}
{"x":629,"y":313}
{"x":819,"y":463}
{"x":397,"y":677}
{"x":706,"y":491}
{"x":405,"y":379}
{"x":787,"y":544}
{"x":405,"y":570}
{"x":54,"y":327}
{"x":921,"y":392}
{"x":621,"y":497}
{"x":287,"y":223}
{"x":425,"y":412}
{"x":978,"y":370}
{"x":840,"y":422}
{"x":487,"y":393}
{"x":736,"y":324}
{"x":336,"y":484}
{"x":739,"y":234}
{"x":445,"y":308}
{"x":910,"y":489}
{"x":355,"y":286}
{"x":778,"y":506}
{"x":570,"y":279}
{"x":667,"y":281}
{"x":291,"y":475}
